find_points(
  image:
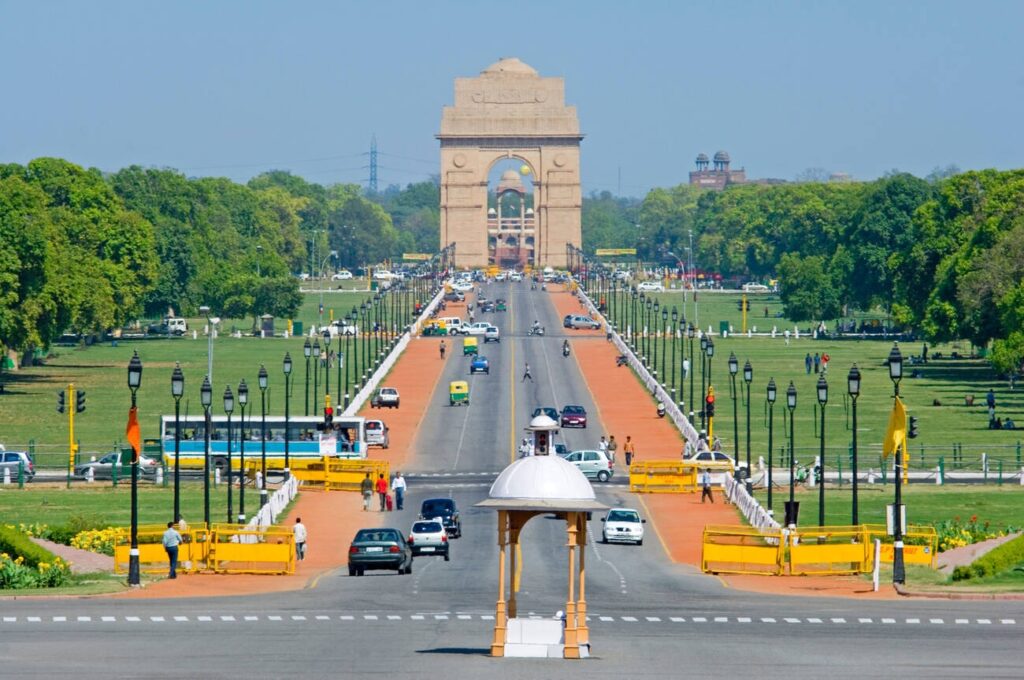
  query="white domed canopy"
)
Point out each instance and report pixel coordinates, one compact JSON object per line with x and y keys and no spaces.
{"x":509,"y":65}
{"x":543,"y":422}
{"x":542,"y":483}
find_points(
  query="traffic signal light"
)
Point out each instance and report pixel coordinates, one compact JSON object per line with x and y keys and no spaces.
{"x":542,"y":443}
{"x":79,"y":401}
{"x":912,"y":428}
{"x":710,"y":406}
{"x":739,"y":305}
{"x":60,"y":402}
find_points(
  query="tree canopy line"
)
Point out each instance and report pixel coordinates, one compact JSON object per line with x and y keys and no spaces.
{"x":87,"y":251}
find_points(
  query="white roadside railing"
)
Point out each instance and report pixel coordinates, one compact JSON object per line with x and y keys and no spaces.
{"x":269,"y":513}
{"x":756,"y":514}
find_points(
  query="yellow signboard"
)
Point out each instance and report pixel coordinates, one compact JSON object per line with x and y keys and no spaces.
{"x":416,"y":256}
{"x":601,"y":252}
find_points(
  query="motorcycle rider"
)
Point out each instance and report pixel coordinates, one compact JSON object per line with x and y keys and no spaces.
{"x":565,"y":348}
{"x":536,"y":328}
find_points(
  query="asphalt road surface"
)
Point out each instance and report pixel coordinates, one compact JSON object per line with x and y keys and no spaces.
{"x":649,"y":617}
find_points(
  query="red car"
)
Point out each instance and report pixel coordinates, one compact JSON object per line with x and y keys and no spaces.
{"x":574,"y":416}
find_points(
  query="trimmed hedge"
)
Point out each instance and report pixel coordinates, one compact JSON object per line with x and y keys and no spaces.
{"x":993,"y":562}
{"x":17,"y":544}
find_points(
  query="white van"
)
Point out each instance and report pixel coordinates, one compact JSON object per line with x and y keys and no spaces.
{"x":755,"y":288}
{"x":454,"y":325}
{"x":377,"y":434}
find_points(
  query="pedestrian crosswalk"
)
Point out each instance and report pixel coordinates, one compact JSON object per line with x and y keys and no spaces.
{"x":434,"y":617}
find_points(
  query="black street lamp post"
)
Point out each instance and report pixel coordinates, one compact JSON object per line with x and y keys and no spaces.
{"x":229,"y":407}
{"x":316,"y":374}
{"x":771,"y":395}
{"x":748,"y":377}
{"x":177,"y":391}
{"x":287,"y":399}
{"x":898,"y":571}
{"x":664,"y":342}
{"x":822,"y":401}
{"x":703,"y":374}
{"x":263,"y":380}
{"x":791,"y":506}
{"x":206,"y":399}
{"x":327,"y":365}
{"x":307,"y":351}
{"x":711,"y":355}
{"x":690,"y":333}
{"x":853,"y":387}
{"x":243,"y":400}
{"x":734,"y":367}
{"x":134,"y":381}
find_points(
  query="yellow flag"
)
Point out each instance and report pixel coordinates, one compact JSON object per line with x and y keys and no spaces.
{"x":896,"y":435}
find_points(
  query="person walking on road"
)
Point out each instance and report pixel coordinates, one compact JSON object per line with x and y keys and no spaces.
{"x":807,"y":363}
{"x":300,"y":538}
{"x":629,"y":450}
{"x":817,"y":362}
{"x":603,"y":445}
{"x":382,"y":491}
{"x":705,"y":486}
{"x":171,"y":541}
{"x":613,"y":446}
{"x":442,"y":349}
{"x":366,"y":488}
{"x":526,"y":374}
{"x":398,"y":486}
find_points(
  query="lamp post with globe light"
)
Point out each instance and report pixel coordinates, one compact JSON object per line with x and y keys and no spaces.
{"x":243,"y":401}
{"x":229,"y":407}
{"x":177,"y":391}
{"x":853,"y":388}
{"x":791,"y":506}
{"x":263,"y":381}
{"x":822,"y":401}
{"x":748,"y":377}
{"x":134,"y":381}
{"x":770,"y":395}
{"x":898,"y":569}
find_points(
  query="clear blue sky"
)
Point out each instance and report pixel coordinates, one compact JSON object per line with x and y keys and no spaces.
{"x":235,"y":88}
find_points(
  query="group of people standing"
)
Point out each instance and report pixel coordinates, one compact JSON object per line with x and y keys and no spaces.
{"x":819,"y":362}
{"x":382,"y":488}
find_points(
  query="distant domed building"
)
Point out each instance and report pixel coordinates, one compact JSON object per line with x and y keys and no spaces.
{"x":719,"y":176}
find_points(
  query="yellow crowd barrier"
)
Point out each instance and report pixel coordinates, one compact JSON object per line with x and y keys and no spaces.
{"x":662,"y":476}
{"x":339,"y":474}
{"x":152,"y":556}
{"x":810,"y":550}
{"x":237,"y":550}
{"x":741,"y":550}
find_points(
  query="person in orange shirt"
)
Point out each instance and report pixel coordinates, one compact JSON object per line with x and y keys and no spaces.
{"x":382,"y":491}
{"x":629,"y":450}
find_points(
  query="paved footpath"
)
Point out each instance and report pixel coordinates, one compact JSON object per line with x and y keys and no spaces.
{"x":332,"y":518}
{"x":626,"y":408}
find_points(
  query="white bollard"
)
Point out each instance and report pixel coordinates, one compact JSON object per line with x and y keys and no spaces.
{"x":984,"y":462}
{"x":90,"y":474}
{"x":160,"y":475}
{"x":259,"y":479}
{"x":7,"y":475}
{"x":1022,"y":476}
{"x":760,"y":463}
{"x":216,"y":475}
{"x":871,"y":475}
{"x":938,"y":475}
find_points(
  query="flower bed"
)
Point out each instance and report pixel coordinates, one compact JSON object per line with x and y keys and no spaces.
{"x":956,"y":533}
{"x":23,"y":564}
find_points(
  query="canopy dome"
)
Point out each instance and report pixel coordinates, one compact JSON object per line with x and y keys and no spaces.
{"x":510,"y":181}
{"x":722,"y":157}
{"x":509,"y":66}
{"x":542,"y":478}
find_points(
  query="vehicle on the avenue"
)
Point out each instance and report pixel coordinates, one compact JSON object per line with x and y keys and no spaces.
{"x":515,"y":276}
{"x":341,"y":275}
{"x":383,"y":275}
{"x":549,"y":411}
{"x":377,"y":434}
{"x":463,"y":286}
{"x":15,"y":461}
{"x":492,"y":334}
{"x":579,"y":321}
{"x":307,"y":439}
{"x":379,"y":549}
{"x":650,"y":287}
{"x":470,"y":346}
{"x":718,"y":463}
{"x":480,"y":364}
{"x":594,"y":464}
{"x":434,"y":328}
{"x":341,"y":327}
{"x":386,"y":397}
{"x":169,"y":325}
{"x":478,"y":328}
{"x":448,"y":512}
{"x":104,"y":467}
{"x":574,"y":415}
{"x":428,"y":537}
{"x":500,"y":305}
{"x":458,"y":393}
{"x":755,"y":288}
{"x":453,"y":324}
{"x":454,"y":296}
{"x":623,"y":525}
{"x":487,"y":307}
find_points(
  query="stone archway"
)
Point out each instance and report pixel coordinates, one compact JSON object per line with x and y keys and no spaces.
{"x":509,"y":111}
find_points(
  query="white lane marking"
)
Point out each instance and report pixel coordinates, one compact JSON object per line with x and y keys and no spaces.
{"x":1008,"y":622}
{"x":607,"y":618}
{"x":298,"y":618}
{"x":10,"y":619}
{"x":984,"y":622}
{"x":108,"y":619}
{"x":132,"y":619}
{"x":394,"y":617}
{"x":60,"y":619}
{"x":864,"y":620}
{"x":743,"y":619}
{"x":814,"y":620}
{"x":156,"y":619}
{"x":417,"y":617}
{"x":465,"y":617}
{"x":838,"y":620}
{"x":913,"y":620}
{"x":699,"y":619}
{"x":629,"y":619}
{"x":767,"y":619}
{"x":962,"y":621}
{"x":462,"y":435}
{"x":939,"y":621}
{"x":34,"y":619}
{"x":791,"y":620}
{"x":84,"y":619}
{"x":321,"y":617}
{"x":721,"y":619}
{"x":227,"y":618}
{"x":888,"y":620}
{"x":490,"y":617}
{"x":677,"y":619}
{"x":273,"y":618}
{"x":370,"y":617}
{"x":440,"y":617}
{"x":346,"y":617}
{"x":653,"y":619}
{"x":247,"y":618}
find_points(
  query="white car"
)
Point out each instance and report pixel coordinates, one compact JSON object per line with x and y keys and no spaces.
{"x":383,"y":275}
{"x":463,"y":286}
{"x":492,"y":335}
{"x":718,"y":463}
{"x":339,"y":327}
{"x":650,"y":287}
{"x":515,"y":276}
{"x":478,"y":328}
{"x":377,"y":434}
{"x":343,"y":275}
{"x":755,"y":288}
{"x":387,"y":397}
{"x":623,"y":525}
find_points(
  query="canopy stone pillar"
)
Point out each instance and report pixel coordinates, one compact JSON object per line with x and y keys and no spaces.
{"x":541,"y":485}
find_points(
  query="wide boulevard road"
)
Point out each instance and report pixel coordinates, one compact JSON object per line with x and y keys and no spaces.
{"x":649,"y":617}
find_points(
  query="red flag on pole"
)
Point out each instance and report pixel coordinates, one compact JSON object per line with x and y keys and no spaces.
{"x":133,"y":434}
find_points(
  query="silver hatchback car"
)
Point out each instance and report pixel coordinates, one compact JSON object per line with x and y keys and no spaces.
{"x":594,"y":464}
{"x":428,"y":537}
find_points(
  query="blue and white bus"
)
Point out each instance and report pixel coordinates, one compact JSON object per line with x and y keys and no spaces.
{"x":345,"y":439}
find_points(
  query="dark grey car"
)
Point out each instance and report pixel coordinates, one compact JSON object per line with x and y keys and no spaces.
{"x":379,"y":549}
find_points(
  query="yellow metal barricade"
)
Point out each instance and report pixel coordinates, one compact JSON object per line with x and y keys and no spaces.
{"x":920,"y":544}
{"x":829,"y":550}
{"x":742,"y":550}
{"x":662,"y":476}
{"x":237,"y":550}
{"x":340,"y":474}
{"x":192,"y":552}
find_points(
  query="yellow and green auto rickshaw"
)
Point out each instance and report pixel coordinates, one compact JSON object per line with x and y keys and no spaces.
{"x":469,"y":346}
{"x":458,"y":393}
{"x":436,"y":327}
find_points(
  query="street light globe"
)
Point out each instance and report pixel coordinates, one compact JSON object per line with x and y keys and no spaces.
{"x":895,"y":363}
{"x":748,"y":372}
{"x":134,"y":372}
{"x":772,"y":391}
{"x":853,"y":381}
{"x":177,"y":382}
{"x":229,"y":400}
{"x":791,"y":395}
{"x":734,"y":364}
{"x":263,"y":377}
{"x":243,"y":393}
{"x":822,"y":390}
{"x":206,"y":393}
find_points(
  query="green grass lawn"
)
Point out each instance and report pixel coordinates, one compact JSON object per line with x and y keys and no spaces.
{"x":28,"y":413}
{"x":926,"y":504}
{"x":108,"y":506}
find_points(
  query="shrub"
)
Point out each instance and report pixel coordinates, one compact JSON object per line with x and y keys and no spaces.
{"x":100,"y":540}
{"x":955,"y":533}
{"x":23,"y":564}
{"x":993,"y":562}
{"x":17,"y":543}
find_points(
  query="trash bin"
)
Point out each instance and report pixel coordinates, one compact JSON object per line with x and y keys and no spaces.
{"x":296,"y":327}
{"x":267,"y":324}
{"x":723,"y":328}
{"x":374,"y":285}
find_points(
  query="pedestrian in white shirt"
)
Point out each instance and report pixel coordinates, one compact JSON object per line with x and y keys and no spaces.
{"x":300,"y":538}
{"x":398,"y":488}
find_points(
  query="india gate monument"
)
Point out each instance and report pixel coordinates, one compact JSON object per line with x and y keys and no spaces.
{"x":510,"y":169}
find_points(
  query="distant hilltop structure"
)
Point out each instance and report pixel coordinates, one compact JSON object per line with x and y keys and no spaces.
{"x":720,"y":174}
